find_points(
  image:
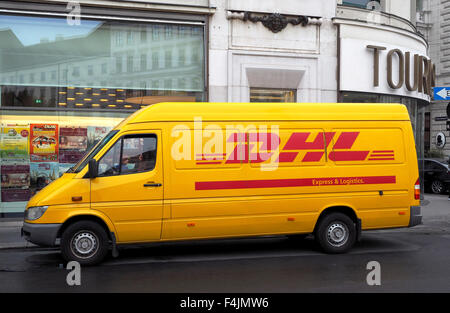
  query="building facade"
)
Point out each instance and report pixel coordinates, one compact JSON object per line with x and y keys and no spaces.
{"x":70,"y":71}
{"x":433,"y":21}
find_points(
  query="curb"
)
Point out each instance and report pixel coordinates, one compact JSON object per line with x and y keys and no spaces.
{"x":11,"y":224}
{"x":30,"y":247}
{"x":14,"y":245}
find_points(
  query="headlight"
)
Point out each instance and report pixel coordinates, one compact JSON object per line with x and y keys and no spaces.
{"x":35,"y":212}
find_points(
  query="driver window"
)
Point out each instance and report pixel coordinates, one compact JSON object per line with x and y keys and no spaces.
{"x":139,"y":154}
{"x":110,"y":163}
{"x":131,"y":154}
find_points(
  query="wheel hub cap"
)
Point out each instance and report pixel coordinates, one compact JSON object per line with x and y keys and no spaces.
{"x":84,"y":244}
{"x":337,"y":234}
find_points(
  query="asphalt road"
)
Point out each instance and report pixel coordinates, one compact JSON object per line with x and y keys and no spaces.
{"x":411,"y":260}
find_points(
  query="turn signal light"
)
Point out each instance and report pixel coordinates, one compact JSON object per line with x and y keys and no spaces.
{"x":417,"y":190}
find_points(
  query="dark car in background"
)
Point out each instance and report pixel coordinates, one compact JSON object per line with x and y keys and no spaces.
{"x":436,"y":176}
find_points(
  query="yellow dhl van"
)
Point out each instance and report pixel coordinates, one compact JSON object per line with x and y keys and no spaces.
{"x":179,"y":171}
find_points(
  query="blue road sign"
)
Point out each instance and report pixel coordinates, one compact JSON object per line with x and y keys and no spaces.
{"x":441,"y":93}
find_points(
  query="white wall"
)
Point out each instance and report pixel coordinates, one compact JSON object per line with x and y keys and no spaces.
{"x":323,"y":8}
{"x":246,"y":54}
{"x":401,"y":8}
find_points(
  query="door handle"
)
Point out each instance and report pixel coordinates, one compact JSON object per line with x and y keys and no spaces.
{"x":152,"y":185}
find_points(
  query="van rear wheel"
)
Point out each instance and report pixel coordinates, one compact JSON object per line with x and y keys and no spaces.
{"x":336,"y":233}
{"x":85,"y":242}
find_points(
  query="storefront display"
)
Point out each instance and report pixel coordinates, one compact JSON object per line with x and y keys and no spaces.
{"x":95,"y":134}
{"x":15,"y":175}
{"x":35,"y":154}
{"x":42,"y":174}
{"x":64,"y":87}
{"x":14,"y":142}
{"x":43,"y":143}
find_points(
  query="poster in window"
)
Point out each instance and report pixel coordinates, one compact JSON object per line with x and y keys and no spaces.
{"x":71,"y":138}
{"x":15,"y":195}
{"x":95,"y":134}
{"x":43,"y":174}
{"x":15,"y":175}
{"x":44,"y":142}
{"x":70,"y":156}
{"x":72,"y":144}
{"x":64,"y":167}
{"x":14,"y":142}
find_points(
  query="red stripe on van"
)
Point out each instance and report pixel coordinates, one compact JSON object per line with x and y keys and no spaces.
{"x":300,"y":182}
{"x":348,"y":155}
{"x":381,"y":159}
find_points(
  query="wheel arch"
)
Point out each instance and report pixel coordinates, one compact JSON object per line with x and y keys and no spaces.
{"x":107,"y":226}
{"x":344,"y":209}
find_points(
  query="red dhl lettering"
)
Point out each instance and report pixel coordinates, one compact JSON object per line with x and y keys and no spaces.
{"x":246,"y":144}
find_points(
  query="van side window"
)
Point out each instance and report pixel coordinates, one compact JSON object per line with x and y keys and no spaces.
{"x":138,"y":154}
{"x":129,"y":155}
{"x":109,"y":164}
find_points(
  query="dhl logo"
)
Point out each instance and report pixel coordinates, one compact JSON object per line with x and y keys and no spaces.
{"x":247,"y":144}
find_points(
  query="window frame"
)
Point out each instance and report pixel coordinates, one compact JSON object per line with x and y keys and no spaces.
{"x":122,"y":139}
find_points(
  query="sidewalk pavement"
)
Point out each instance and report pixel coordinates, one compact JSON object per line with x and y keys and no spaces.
{"x":10,"y":234}
{"x":435,"y":211}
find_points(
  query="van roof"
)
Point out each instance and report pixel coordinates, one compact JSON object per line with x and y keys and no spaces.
{"x":188,"y":111}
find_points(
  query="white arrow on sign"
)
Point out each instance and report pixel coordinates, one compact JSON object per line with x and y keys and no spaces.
{"x":443,"y":93}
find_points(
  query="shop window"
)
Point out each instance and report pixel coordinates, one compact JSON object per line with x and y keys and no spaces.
{"x":272,"y":95}
{"x":156,"y":33}
{"x":155,"y":60}
{"x":130,"y":64}
{"x":169,"y":32}
{"x":144,"y":35}
{"x":181,"y":56}
{"x":143,"y":62}
{"x":168,"y":58}
{"x":63,"y":88}
{"x":119,"y":64}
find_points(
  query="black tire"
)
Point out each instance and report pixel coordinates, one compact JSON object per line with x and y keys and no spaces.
{"x":335,"y":233}
{"x":85,"y":242}
{"x":437,"y":187}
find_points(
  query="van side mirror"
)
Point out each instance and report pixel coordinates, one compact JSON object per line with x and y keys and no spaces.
{"x":93,"y":169}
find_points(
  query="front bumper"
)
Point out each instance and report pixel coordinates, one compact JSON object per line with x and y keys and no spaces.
{"x":41,"y":234}
{"x":415,"y":217}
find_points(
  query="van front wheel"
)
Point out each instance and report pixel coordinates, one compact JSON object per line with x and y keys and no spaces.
{"x":336,"y":233}
{"x":85,"y":242}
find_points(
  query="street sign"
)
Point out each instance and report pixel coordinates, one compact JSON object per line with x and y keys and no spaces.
{"x":440,"y":118}
{"x":441,"y":93}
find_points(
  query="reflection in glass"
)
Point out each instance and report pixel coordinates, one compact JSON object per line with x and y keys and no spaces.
{"x":43,"y":58}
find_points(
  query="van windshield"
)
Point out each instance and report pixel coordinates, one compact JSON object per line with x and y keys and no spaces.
{"x":89,"y":155}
